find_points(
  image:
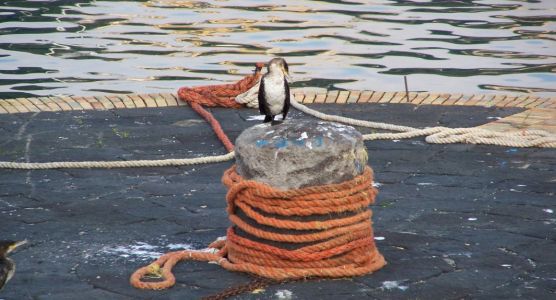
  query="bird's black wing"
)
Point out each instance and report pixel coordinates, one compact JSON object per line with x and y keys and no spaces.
{"x":286,"y":100}
{"x":262,"y":102}
{"x":4,"y":271}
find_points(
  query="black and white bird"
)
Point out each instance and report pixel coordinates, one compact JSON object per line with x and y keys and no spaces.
{"x":7,"y":266}
{"x":274,"y":92}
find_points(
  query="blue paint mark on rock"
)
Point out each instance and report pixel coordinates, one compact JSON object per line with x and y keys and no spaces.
{"x":317,"y":153}
{"x":318,"y":141}
{"x":298,"y":142}
{"x":261,"y":143}
{"x":281,"y":143}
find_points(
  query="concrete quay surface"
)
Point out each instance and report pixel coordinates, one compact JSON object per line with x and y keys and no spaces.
{"x":453,"y":221}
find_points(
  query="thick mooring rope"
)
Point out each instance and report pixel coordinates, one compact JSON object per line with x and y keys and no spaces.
{"x":244,"y":92}
{"x":197,"y":97}
{"x":443,"y":135}
{"x":117,"y":164}
{"x":341,"y":244}
{"x":219,"y":96}
{"x":434,"y":135}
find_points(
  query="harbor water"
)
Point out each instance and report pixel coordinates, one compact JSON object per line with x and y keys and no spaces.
{"x":79,"y":47}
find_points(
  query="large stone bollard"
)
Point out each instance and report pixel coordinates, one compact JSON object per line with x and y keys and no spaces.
{"x":298,"y":154}
{"x":298,"y":199}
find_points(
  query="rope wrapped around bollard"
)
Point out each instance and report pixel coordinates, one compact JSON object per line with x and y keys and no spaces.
{"x":342,"y":246}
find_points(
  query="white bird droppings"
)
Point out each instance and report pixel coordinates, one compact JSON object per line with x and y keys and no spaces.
{"x":255,"y":118}
{"x":379,"y":238}
{"x":283,"y":294}
{"x":261,"y":118}
{"x":140,"y":250}
{"x":178,"y":246}
{"x":548,"y":210}
{"x":472,"y":219}
{"x":389,"y":285}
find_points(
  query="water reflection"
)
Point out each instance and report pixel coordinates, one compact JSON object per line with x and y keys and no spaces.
{"x":90,"y":47}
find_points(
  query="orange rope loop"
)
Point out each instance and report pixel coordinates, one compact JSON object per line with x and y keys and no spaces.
{"x":329,"y":227}
{"x":218,"y":96}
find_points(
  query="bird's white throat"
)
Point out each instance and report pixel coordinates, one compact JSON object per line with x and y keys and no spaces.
{"x":275,"y":93}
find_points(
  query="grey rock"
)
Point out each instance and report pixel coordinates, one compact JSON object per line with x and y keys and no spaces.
{"x":300,"y":153}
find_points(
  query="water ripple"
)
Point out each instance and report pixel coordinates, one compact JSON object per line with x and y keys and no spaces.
{"x":82,"y":47}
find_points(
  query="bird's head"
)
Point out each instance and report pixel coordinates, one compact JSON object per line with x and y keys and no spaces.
{"x":8,"y":246}
{"x":279,"y":65}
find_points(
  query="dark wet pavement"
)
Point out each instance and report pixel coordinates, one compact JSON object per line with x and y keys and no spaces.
{"x":453,"y":221}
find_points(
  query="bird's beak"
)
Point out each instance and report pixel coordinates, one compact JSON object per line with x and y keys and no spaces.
{"x":286,"y":74}
{"x":15,"y":245}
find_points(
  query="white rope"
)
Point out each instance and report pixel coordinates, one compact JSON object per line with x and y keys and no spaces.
{"x":250,"y":97}
{"x":349,"y":121}
{"x":444,"y":135}
{"x":434,"y":135}
{"x":117,"y":164}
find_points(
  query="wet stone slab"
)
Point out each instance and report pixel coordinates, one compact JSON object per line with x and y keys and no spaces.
{"x":453,"y":221}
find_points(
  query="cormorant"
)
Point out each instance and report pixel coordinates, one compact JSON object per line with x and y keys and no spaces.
{"x":7,"y":266}
{"x":274,"y":92}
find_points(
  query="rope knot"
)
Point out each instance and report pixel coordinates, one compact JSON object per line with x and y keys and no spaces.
{"x":154,"y":271}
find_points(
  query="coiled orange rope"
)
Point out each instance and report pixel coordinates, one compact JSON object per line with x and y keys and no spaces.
{"x":218,"y":96}
{"x":339,"y":243}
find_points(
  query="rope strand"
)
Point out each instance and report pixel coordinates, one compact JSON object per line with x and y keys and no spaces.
{"x":211,"y":96}
{"x":433,"y":135}
{"x":117,"y":164}
{"x":218,"y":96}
{"x":443,"y":135}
